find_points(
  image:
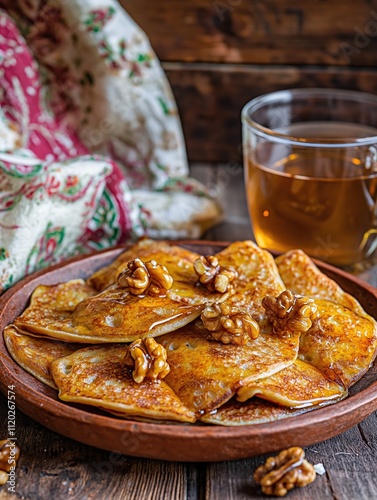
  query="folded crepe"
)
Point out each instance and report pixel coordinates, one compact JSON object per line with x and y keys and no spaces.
{"x":341,"y":343}
{"x":98,"y":376}
{"x":255,"y":411}
{"x":51,"y":305}
{"x":35,"y":355}
{"x":298,"y":386}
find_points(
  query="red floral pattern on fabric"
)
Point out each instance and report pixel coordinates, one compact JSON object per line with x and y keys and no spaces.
{"x":21,"y":101}
{"x":40,"y":132}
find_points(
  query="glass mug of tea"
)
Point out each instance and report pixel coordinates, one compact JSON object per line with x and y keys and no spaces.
{"x":310,"y":160}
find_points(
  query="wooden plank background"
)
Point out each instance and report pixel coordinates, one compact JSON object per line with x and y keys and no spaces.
{"x":218,"y":54}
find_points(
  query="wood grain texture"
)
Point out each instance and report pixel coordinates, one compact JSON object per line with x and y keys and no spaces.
{"x":62,"y":468}
{"x":210,"y":98}
{"x":254,"y":47}
{"x":349,"y":461}
{"x":53,"y":467}
{"x":260,"y":31}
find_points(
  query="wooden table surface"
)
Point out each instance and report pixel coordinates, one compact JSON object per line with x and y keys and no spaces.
{"x":54,"y":467}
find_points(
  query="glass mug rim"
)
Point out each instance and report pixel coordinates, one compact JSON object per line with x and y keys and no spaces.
{"x":286,"y":96}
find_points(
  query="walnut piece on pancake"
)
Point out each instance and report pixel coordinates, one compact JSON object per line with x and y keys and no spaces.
{"x":9,"y":453}
{"x":229,"y":324}
{"x":282,"y":473}
{"x":146,"y":278}
{"x":290,"y":312}
{"x":213,"y":276}
{"x":149,"y":360}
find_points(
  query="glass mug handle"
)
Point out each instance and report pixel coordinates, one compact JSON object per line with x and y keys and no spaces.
{"x":371,"y":167}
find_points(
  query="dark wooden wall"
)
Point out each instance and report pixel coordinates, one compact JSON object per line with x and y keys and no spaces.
{"x":218,"y":54}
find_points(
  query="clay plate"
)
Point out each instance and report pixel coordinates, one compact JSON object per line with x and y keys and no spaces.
{"x":175,"y":441}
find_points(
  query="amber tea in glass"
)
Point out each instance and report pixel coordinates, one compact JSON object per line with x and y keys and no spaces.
{"x":311,"y":172}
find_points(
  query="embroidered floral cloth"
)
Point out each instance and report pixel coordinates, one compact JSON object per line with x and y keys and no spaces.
{"x":91,"y":148}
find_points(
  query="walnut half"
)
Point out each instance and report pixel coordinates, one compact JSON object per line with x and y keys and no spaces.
{"x":282,"y":473}
{"x":148,"y":358}
{"x":146,"y":278}
{"x":9,"y":453}
{"x":290,"y":312}
{"x":229,"y":324}
{"x":213,"y":276}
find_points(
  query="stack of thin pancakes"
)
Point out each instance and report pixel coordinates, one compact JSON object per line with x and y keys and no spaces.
{"x":269,"y":378}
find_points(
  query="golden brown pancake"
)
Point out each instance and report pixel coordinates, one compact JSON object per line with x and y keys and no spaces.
{"x":114,"y":315}
{"x":177,"y":259}
{"x":258,"y":276}
{"x":98,"y":376}
{"x":341,"y":343}
{"x":205,"y":374}
{"x":52,"y":304}
{"x":36,"y":355}
{"x":252,"y":412}
{"x":302,"y":276}
{"x":300,"y":385}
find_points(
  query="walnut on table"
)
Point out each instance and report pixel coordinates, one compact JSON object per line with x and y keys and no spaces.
{"x":146,"y":278}
{"x":229,"y":324}
{"x":148,"y":359}
{"x":9,"y":453}
{"x":213,"y":276}
{"x":3,"y":477}
{"x":290,"y":312}
{"x":282,"y":473}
